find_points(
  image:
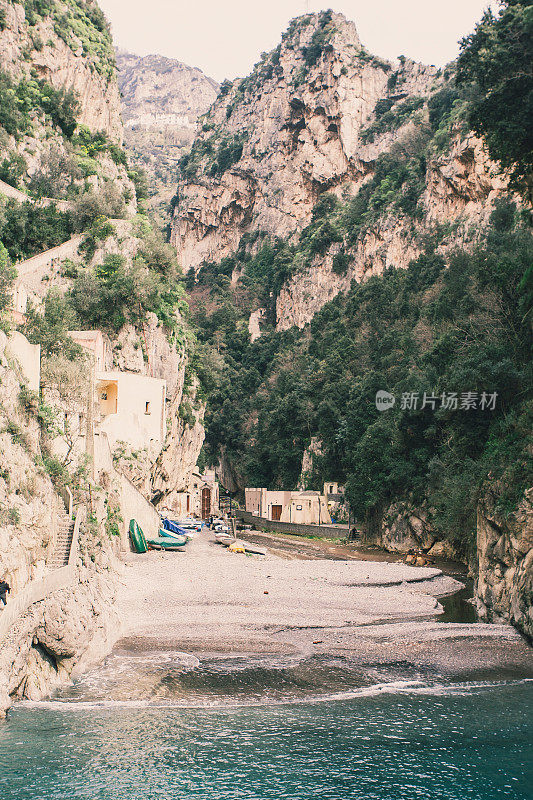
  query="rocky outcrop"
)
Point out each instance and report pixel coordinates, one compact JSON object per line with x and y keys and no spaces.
{"x":162,"y":100}
{"x":402,"y":528}
{"x":56,"y":635}
{"x":29,"y":506}
{"x":298,"y":127}
{"x":162,"y":92}
{"x":49,"y":47}
{"x":504,"y":585}
{"x":173,"y":469}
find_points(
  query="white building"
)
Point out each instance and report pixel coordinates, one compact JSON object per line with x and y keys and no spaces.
{"x":132,"y":409}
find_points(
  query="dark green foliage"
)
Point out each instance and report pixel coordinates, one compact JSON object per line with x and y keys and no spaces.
{"x":392,"y":118}
{"x":319,"y":40}
{"x":12,"y":169}
{"x":340,"y":264}
{"x":50,"y":329}
{"x":140,"y":182}
{"x":116,"y":292}
{"x":225,"y":86}
{"x":453,"y":324}
{"x":8,"y":274}
{"x":440,"y":105}
{"x":396,"y":182}
{"x":27,"y":229}
{"x":498,"y":59}
{"x":19,"y":100}
{"x":229,"y":151}
{"x":213,"y":156}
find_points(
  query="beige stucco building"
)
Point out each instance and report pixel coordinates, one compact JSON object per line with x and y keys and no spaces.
{"x":305,"y":508}
{"x":98,"y":346}
{"x":200,"y":499}
{"x":132,"y":409}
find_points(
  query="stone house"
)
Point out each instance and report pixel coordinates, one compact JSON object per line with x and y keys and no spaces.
{"x":305,"y":507}
{"x":200,"y":498}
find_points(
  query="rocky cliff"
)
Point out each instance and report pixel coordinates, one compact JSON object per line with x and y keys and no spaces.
{"x":318,"y":115}
{"x":68,"y":45}
{"x":330,"y":202}
{"x":61,"y":127}
{"x":54,"y":636}
{"x":504,"y":585}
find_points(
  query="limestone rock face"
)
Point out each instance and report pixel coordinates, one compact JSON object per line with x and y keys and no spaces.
{"x":162,"y":100}
{"x":301,"y":137}
{"x":158,"y":91}
{"x":504,"y":586}
{"x":57,"y":637}
{"x":63,"y":65}
{"x":405,"y":529}
{"x":29,"y":506}
{"x":297,"y":128}
{"x":173,"y":468}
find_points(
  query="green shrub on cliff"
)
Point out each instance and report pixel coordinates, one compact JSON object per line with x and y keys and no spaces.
{"x":20,"y":100}
{"x":498,"y":60}
{"x":390,"y":120}
{"x":27,"y":229}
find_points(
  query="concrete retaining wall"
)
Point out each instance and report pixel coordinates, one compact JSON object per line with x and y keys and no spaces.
{"x":32,"y":270}
{"x":35,"y":591}
{"x":326,"y":531}
{"x":22,"y":197}
{"x":134,"y":506}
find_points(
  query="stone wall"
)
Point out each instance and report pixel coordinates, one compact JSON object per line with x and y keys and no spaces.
{"x":325,"y":531}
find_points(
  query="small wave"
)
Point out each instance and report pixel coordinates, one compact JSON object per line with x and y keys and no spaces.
{"x":401,"y":687}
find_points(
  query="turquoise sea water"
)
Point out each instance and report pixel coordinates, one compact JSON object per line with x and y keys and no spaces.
{"x":396,"y":742}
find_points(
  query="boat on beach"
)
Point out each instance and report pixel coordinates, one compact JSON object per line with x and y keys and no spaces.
{"x":162,"y":542}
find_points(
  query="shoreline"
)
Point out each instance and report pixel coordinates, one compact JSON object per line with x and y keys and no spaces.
{"x":377,"y":614}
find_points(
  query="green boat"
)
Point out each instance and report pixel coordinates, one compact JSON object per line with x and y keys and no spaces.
{"x":180,"y":538}
{"x":141,"y":544}
{"x":137,"y":537}
{"x":165,"y":543}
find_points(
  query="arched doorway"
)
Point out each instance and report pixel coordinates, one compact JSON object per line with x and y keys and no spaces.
{"x":206,"y":502}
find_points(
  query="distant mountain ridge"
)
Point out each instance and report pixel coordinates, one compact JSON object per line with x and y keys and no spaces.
{"x":153,"y":86}
{"x":162,"y":99}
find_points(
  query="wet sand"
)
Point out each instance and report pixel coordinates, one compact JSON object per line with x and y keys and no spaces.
{"x":319,"y":602}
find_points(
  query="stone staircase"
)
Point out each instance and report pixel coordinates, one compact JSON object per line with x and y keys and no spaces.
{"x":64,"y":540}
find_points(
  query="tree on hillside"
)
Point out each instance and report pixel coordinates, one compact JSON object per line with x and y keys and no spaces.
{"x":498,"y":57}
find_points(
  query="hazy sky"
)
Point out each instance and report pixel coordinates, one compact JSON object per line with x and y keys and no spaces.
{"x":225,"y":37}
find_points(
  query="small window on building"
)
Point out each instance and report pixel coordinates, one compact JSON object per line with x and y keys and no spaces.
{"x":103,"y":396}
{"x":147,"y":408}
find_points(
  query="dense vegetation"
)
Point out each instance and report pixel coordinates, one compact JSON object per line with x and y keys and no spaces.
{"x":27,"y":229}
{"x":20,"y":100}
{"x":498,"y":60}
{"x":450,"y":337}
{"x":445,"y":325}
{"x":74,"y":21}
